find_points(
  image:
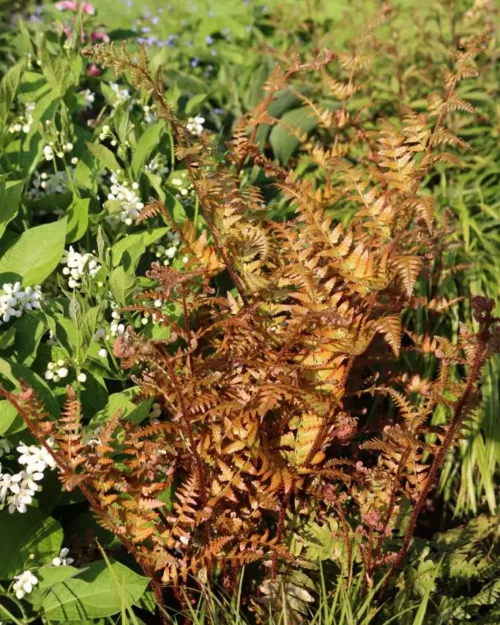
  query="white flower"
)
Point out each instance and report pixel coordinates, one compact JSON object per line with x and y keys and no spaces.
{"x":77,"y":265}
{"x":49,"y":184}
{"x":89,"y":98}
{"x":29,"y":481}
{"x":103,"y":353}
{"x":36,"y":459}
{"x":20,"y":501}
{"x":130,"y":202}
{"x":48,"y":152}
{"x":62,"y":372}
{"x":195,"y":125}
{"x":9,"y":483}
{"x":62,"y":559}
{"x":117,"y":329}
{"x":7,"y":308}
{"x":24,"y":584}
{"x":121,"y":95}
{"x":81,"y":377}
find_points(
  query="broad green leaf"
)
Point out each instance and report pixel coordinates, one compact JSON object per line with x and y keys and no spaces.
{"x":105,"y":156}
{"x":14,"y":373}
{"x":128,"y":250}
{"x":10,"y":196}
{"x":9,"y":86}
{"x":29,"y":330}
{"x":24,"y":534}
{"x":146,"y":144}
{"x":283,"y":142}
{"x":195,"y":102}
{"x":8,"y":415}
{"x":78,"y":219}
{"x":34,"y":255}
{"x":7,"y":337}
{"x":284,"y":101}
{"x":94,"y":594}
{"x":123,"y":402}
{"x":120,"y":284}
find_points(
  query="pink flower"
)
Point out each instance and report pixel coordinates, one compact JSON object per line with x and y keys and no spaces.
{"x":99,"y":36}
{"x":88,"y":8}
{"x":93,"y":70}
{"x":67,"y":5}
{"x":72,"y":5}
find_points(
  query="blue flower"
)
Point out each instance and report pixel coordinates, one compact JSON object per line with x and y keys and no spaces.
{"x":209,"y":40}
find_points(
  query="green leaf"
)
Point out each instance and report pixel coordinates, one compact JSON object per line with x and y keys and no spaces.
{"x":29,"y":330}
{"x":8,"y":415}
{"x":10,"y":196}
{"x":9,"y":86}
{"x":78,"y":214}
{"x":105,"y":156}
{"x":146,"y":144}
{"x":24,"y":534}
{"x":34,"y":255}
{"x":94,"y":594}
{"x":14,"y":372}
{"x":283,"y":142}
{"x":123,"y":402}
{"x":195,"y":102}
{"x":120,"y":284}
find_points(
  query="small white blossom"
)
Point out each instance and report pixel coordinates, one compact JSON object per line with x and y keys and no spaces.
{"x":89,"y":98}
{"x":14,"y":301}
{"x":24,"y":584}
{"x":9,"y":484}
{"x":103,"y":352}
{"x":130,"y":202}
{"x":121,"y":95}
{"x":77,"y":265}
{"x":24,"y":122}
{"x":62,"y":559}
{"x":195,"y":125}
{"x":20,"y":501}
{"x":63,"y":372}
{"x":81,"y":377}
{"x":48,"y":152}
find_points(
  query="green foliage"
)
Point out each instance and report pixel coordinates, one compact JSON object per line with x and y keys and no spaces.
{"x":219,"y":62}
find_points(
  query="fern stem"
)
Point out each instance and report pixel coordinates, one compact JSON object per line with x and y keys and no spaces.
{"x":455,"y":424}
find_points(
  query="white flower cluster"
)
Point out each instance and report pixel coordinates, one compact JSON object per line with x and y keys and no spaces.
{"x":166,"y":253}
{"x":48,"y":150}
{"x":25,"y":582}
{"x":78,"y":265}
{"x":24,"y":122}
{"x":49,"y":184}
{"x":62,"y":559}
{"x":195,"y":125}
{"x":58,"y":370}
{"x":183,"y":185}
{"x":17,"y":490}
{"x":121,"y":95}
{"x":125,"y":194}
{"x":14,"y":301}
{"x":156,"y":166}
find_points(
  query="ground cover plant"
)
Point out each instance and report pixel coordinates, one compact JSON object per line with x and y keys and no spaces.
{"x":247,"y":319}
